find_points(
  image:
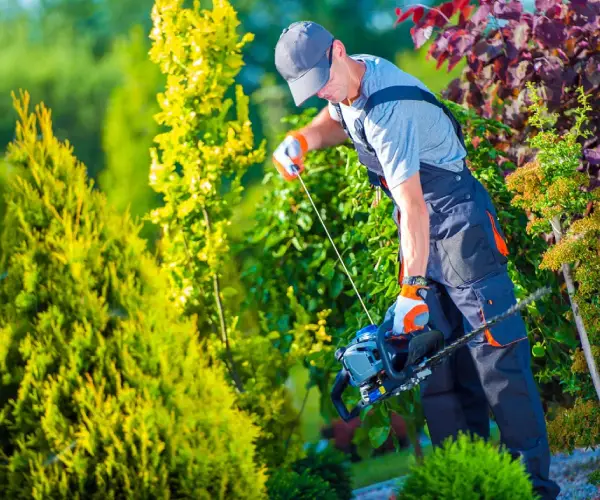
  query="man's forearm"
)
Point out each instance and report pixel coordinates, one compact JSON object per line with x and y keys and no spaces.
{"x":323,"y":131}
{"x":415,"y":243}
{"x":414,"y":233}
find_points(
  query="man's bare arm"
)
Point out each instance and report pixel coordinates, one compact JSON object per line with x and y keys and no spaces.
{"x":323,"y":131}
{"x":414,"y":225}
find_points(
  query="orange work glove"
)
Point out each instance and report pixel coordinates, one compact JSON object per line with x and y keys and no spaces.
{"x":411,"y":312}
{"x":289,"y":154}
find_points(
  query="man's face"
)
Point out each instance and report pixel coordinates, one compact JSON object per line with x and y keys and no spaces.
{"x":336,"y":89}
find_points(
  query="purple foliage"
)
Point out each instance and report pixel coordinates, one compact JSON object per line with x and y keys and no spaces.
{"x":557,"y":47}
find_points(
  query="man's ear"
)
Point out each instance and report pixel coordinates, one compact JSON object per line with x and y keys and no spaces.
{"x":339,"y":49}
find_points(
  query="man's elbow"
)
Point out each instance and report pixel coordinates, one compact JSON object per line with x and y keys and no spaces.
{"x":409,"y":197}
{"x":414,"y":206}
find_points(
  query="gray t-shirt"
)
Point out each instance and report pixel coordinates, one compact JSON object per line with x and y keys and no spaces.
{"x":402,"y":133}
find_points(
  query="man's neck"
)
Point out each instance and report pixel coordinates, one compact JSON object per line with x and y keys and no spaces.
{"x":357,"y":71}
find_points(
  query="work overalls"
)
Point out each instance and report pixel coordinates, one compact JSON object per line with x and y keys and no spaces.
{"x":467,"y":268}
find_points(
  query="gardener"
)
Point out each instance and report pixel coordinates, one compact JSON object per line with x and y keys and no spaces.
{"x":452,"y":249}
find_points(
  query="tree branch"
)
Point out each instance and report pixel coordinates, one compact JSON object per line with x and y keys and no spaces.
{"x":585,"y":343}
{"x":224,"y":337}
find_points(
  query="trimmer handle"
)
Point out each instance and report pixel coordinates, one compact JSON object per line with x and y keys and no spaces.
{"x":342,"y":380}
{"x":382,"y":346}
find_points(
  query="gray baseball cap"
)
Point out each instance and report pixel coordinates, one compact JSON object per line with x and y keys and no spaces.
{"x":301,"y":58}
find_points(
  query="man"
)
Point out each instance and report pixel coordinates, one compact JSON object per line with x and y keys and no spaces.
{"x":452,"y":249}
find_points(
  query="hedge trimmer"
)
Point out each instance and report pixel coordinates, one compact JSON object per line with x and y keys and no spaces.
{"x":382,"y":364}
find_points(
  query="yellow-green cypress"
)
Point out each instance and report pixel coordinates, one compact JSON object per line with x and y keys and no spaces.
{"x":105,"y":391}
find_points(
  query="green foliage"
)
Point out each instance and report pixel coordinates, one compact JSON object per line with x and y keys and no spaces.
{"x":63,"y":72}
{"x":549,"y":188}
{"x":5,"y":172}
{"x":470,"y":469}
{"x":575,"y":427}
{"x":332,"y":466}
{"x":99,"y":22}
{"x":594,"y":477}
{"x":287,"y":245}
{"x":207,"y":147}
{"x":580,"y":249}
{"x":129,"y":130}
{"x":285,"y":484}
{"x":264,"y":361}
{"x":204,"y":151}
{"x":324,"y":474}
{"x":105,"y":391}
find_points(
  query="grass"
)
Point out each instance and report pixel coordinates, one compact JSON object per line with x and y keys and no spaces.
{"x":382,"y":468}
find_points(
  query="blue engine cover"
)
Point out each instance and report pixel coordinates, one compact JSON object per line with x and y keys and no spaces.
{"x":358,"y":357}
{"x":367,"y":330}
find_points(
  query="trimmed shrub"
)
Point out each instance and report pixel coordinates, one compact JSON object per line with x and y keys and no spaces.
{"x":286,"y":484}
{"x":468,"y":468}
{"x":332,"y":466}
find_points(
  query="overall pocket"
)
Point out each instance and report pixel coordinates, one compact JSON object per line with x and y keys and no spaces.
{"x":467,"y":256}
{"x":495,"y":295}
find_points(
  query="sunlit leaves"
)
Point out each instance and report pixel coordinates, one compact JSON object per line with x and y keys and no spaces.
{"x":208,"y":138}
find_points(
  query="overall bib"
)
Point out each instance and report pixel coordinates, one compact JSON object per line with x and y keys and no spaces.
{"x":467,"y":270}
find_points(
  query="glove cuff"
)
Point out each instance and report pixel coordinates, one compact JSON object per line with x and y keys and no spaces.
{"x":301,"y":139}
{"x":414,"y":292}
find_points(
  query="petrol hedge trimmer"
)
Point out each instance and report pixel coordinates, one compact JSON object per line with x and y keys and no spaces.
{"x":382,"y":364}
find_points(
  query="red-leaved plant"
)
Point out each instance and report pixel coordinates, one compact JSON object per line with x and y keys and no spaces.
{"x":557,"y":47}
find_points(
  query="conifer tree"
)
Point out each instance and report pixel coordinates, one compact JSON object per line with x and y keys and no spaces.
{"x":105,"y":392}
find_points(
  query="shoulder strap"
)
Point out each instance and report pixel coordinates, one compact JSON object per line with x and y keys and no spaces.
{"x":342,"y":121}
{"x":403,"y":93}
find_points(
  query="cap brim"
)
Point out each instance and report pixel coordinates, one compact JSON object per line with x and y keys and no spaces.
{"x":311,"y":82}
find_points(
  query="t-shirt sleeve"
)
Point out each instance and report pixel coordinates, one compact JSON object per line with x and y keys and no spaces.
{"x":333,"y":112}
{"x":393,"y":134}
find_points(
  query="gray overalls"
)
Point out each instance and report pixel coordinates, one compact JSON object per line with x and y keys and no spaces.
{"x":467,"y":268}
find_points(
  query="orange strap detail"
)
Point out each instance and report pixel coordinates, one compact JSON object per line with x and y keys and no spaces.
{"x":488,"y":334}
{"x":500,"y":243}
{"x":401,"y":275}
{"x":491,"y":339}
